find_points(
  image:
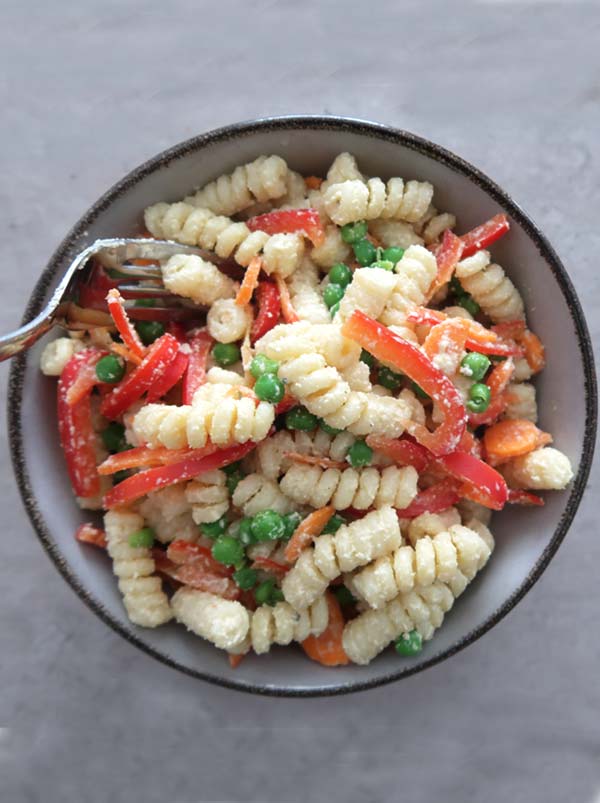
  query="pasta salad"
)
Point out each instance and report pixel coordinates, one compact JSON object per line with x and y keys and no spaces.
{"x":315,"y":454}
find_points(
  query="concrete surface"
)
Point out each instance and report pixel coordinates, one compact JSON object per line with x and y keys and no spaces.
{"x":90,"y":89}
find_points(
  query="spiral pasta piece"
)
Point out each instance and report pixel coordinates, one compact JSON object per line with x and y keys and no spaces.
{"x":431,"y":524}
{"x":490,"y":287}
{"x":305,"y":293}
{"x":422,"y":609}
{"x":394,"y":233}
{"x":255,"y":493}
{"x":333,"y":249}
{"x":271,"y":453}
{"x":521,"y":401}
{"x":227,"y":321}
{"x":349,"y":201}
{"x":169,"y":514}
{"x":437,"y":225}
{"x":353,"y":545}
{"x":544,"y":469}
{"x":281,"y":624}
{"x":358,"y":488}
{"x":208,"y":496}
{"x":192,"y":277}
{"x":191,"y":225}
{"x":439,"y":558}
{"x":145,"y":602}
{"x":225,"y":623}
{"x":262,"y":180}
{"x":414,"y":275}
{"x":343,"y":168}
{"x":369,"y":291}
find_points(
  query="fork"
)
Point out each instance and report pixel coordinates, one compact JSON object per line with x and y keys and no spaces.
{"x":113,"y":254}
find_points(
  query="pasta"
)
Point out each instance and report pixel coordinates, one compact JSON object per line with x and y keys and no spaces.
{"x":284,"y":443}
{"x":145,"y":601}
{"x":361,"y":489}
{"x":490,"y":287}
{"x":353,"y":545}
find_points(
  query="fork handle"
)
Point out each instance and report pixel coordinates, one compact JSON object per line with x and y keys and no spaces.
{"x":23,"y":338}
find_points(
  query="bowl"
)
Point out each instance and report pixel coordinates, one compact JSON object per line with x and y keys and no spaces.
{"x":526,"y":538}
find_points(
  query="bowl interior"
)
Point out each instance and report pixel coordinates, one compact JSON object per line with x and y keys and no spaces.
{"x":526,"y":538}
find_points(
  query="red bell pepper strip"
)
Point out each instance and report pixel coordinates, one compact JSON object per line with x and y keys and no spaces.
{"x":518,"y":497}
{"x":290,"y":221}
{"x":497,"y":381}
{"x":140,"y":484}
{"x":170,"y":377}
{"x":235,"y":660}
{"x":269,"y":310}
{"x":200,"y":344}
{"x":407,"y":358}
{"x":401,"y":451}
{"x":490,"y":485}
{"x":268,"y":565}
{"x":196,"y":573}
{"x":86,"y":380}
{"x":425,"y":316}
{"x":432,"y":500}
{"x":448,"y":254}
{"x":484,"y":235}
{"x":178,"y":331}
{"x":144,"y":457}
{"x":499,"y":348}
{"x":89,"y":534}
{"x":158,"y":357}
{"x":181,"y":552}
{"x":77,"y":436}
{"x":92,"y":294}
{"x":124,"y":326}
{"x":285,"y":404}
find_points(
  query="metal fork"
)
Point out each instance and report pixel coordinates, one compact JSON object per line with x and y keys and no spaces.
{"x":113,"y":254}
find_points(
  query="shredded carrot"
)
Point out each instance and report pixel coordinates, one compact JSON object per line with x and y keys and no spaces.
{"x":313,"y":182}
{"x":287,"y":310}
{"x":235,"y":660}
{"x":534,"y":351}
{"x":308,"y":529}
{"x":144,"y":457}
{"x":249,"y":282}
{"x":500,"y":376}
{"x":512,"y":437}
{"x":452,"y":334}
{"x":124,"y":352}
{"x":315,"y":460}
{"x":327,"y":649}
{"x":372,"y":239}
{"x":269,"y":565}
{"x":88,"y":533}
{"x":85,"y":381}
{"x":116,"y":307}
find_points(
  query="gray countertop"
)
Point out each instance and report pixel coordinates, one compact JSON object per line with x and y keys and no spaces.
{"x":89,"y":90}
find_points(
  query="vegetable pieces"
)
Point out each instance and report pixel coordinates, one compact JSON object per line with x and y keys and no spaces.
{"x":513,"y":437}
{"x":327,"y":648}
{"x":308,"y":529}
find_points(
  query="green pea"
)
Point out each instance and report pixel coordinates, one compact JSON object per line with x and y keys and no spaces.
{"x":344,"y":595}
{"x":300,"y":418}
{"x":332,"y":294}
{"x":334,"y":524}
{"x":232,"y":467}
{"x":233,"y":480}
{"x":353,"y":232}
{"x":418,"y":391}
{"x":389,"y":379}
{"x":213,"y":529}
{"x":119,"y":476}
{"x":264,"y":592}
{"x":475,"y":365}
{"x":226,"y":354}
{"x":367,"y":358}
{"x":142,"y":538}
{"x":110,"y":369}
{"x":365,"y":252}
{"x":335,"y":309}
{"x":329,"y":430}
{"x":268,"y":525}
{"x":276,"y":596}
{"x":245,"y":532}
{"x":113,"y":437}
{"x":393,"y":254}
{"x":340,"y":274}
{"x":385,"y":264}
{"x":291,"y":522}
{"x":409,"y":644}
{"x":149,"y":331}
{"x":359,"y":454}
{"x":263,"y":365}
{"x":479,"y":398}
{"x":228,"y":550}
{"x":469,"y":304}
{"x":245,"y":578}
{"x":269,"y":388}
{"x":145,"y":302}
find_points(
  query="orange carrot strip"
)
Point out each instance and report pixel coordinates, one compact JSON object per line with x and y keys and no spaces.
{"x":116,"y":307}
{"x":249,"y":282}
{"x":235,"y":660}
{"x":124,"y":352}
{"x":534,"y":351}
{"x":88,"y":533}
{"x":512,"y":437}
{"x":327,"y":649}
{"x":315,"y":460}
{"x":268,"y":565}
{"x":313,"y":182}
{"x":308,"y":529}
{"x":287,"y":310}
{"x":143,"y":457}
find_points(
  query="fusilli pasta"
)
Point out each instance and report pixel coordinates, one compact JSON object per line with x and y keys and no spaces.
{"x":490,"y":287}
{"x":192,"y":277}
{"x":544,"y":469}
{"x":208,"y":496}
{"x":521,"y":402}
{"x":281,"y":624}
{"x":169,"y":514}
{"x":353,"y":200}
{"x":414,"y":275}
{"x":227,"y":321}
{"x":271,"y":453}
{"x":255,"y":493}
{"x":225,"y":623}
{"x":305,"y":294}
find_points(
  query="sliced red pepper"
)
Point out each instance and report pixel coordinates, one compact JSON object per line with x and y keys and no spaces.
{"x":89,"y":534}
{"x":290,"y":221}
{"x":484,"y":235}
{"x":170,"y":377}
{"x":77,"y":436}
{"x":86,"y":380}
{"x":423,"y":316}
{"x":130,"y":337}
{"x":490,"y":485}
{"x":269,"y":310}
{"x":434,"y":499}
{"x":92,"y":294}
{"x":181,"y":552}
{"x":268,"y":565}
{"x":145,"y":457}
{"x":196,"y":574}
{"x":200,"y":344}
{"x":448,"y":254}
{"x":407,"y":358}
{"x":285,"y":404}
{"x":518,"y":497}
{"x":401,"y":451}
{"x":140,"y":484}
{"x":235,"y":660}
{"x":499,"y":348}
{"x":158,"y":357}
{"x":178,"y":331}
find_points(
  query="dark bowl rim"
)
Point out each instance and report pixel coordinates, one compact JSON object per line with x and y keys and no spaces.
{"x":314,"y":122}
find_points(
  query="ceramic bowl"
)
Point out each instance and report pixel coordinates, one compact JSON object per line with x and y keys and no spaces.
{"x":526,"y":538}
